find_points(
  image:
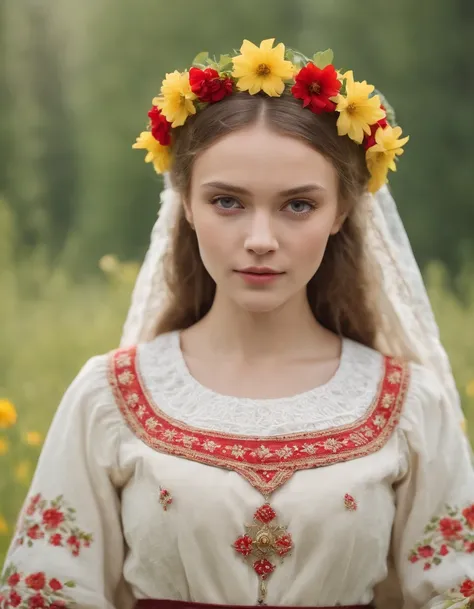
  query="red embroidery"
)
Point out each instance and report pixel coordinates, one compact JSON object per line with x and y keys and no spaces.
{"x":53,"y":520}
{"x":461,"y":596}
{"x":263,"y":541}
{"x":266,"y":463}
{"x":165,"y":498}
{"x":453,"y":532}
{"x":32,"y":591}
{"x":350,"y":503}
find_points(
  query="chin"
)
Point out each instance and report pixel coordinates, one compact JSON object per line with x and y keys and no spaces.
{"x":259,"y":303}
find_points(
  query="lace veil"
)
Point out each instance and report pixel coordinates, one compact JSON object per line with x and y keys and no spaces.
{"x":409,"y":324}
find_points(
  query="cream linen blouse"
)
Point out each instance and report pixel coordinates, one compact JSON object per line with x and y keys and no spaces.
{"x":150,"y":485}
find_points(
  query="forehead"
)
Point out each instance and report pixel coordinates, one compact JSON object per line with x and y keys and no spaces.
{"x":258,"y":158}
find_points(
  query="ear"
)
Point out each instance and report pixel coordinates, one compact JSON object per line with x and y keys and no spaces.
{"x":338,"y":222}
{"x":188,"y":212}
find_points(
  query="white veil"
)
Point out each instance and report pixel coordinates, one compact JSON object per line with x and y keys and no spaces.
{"x":409,"y":323}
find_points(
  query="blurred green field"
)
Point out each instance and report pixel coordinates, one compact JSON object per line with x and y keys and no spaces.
{"x":51,"y":325}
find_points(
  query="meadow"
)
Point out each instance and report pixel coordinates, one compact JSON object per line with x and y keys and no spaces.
{"x":51,"y":324}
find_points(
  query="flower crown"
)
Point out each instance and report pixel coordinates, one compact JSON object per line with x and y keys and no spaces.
{"x":364,"y":115}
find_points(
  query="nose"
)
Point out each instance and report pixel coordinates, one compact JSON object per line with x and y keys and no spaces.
{"x":261,"y":238}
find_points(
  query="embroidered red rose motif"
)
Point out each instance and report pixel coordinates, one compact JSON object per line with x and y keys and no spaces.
{"x":450,"y":528}
{"x":467,"y":588}
{"x":33,"y":591}
{"x":264,"y":540}
{"x":165,"y":498}
{"x":468,"y":514}
{"x":350,"y":503}
{"x":54,"y":519}
{"x":452,"y":531}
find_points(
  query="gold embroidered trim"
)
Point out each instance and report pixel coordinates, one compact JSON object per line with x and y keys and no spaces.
{"x":266,"y":462}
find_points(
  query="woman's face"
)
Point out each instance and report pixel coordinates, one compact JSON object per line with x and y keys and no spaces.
{"x":263,"y":206}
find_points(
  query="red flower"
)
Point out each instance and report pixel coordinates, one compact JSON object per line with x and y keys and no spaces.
{"x":56,"y":539}
{"x":244,"y":545}
{"x":467,"y":588}
{"x":468,"y":514}
{"x":208,"y":85}
{"x":14,"y":579}
{"x":263,"y":568}
{"x":265,"y":513}
{"x":315,"y":86}
{"x":36,"y":602}
{"x":426,"y":551}
{"x":469,"y":547}
{"x":350,"y":503}
{"x":52,"y":518}
{"x":284,"y":544}
{"x":450,"y":528}
{"x":14,"y":599}
{"x":369,"y":140}
{"x":57,"y":605}
{"x":427,"y":566}
{"x":444,"y":550}
{"x":36,"y":581}
{"x":160,"y":127}
{"x":414,"y":558}
{"x":55,"y":585}
{"x":32,"y":505}
{"x":35,"y":532}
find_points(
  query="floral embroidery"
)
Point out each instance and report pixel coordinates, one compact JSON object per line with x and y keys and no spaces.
{"x":350,"y":503}
{"x":165,"y":498}
{"x":54,"y":521}
{"x":266,"y":463}
{"x":451,"y":532}
{"x":264,"y":541}
{"x":461,"y":596}
{"x":33,"y":591}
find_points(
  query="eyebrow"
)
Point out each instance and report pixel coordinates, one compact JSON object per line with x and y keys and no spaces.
{"x":297,"y":190}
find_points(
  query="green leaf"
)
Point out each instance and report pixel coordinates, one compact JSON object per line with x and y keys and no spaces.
{"x":296,"y":57}
{"x":225,"y":61}
{"x":436,"y":560}
{"x":323,"y":58}
{"x":392,"y":121}
{"x":70,"y":584}
{"x":201,"y":59}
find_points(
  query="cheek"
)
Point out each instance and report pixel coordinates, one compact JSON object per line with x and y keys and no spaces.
{"x":213,"y":246}
{"x":309,"y":246}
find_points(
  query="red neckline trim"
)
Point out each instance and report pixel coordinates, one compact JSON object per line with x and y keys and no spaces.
{"x":266,"y":462}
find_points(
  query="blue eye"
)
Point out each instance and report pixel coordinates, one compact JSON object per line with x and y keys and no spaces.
{"x":224,"y":202}
{"x":300,"y":207}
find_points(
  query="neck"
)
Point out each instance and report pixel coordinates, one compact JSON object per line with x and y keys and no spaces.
{"x":289,"y":331}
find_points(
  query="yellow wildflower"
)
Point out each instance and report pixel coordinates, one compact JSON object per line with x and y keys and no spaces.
{"x":176,"y":101}
{"x":8,"y":414}
{"x":357,"y":111}
{"x":262,"y":68}
{"x":470,"y":389}
{"x":3,"y":526}
{"x":33,"y":438}
{"x":4,"y":446}
{"x":159,"y":155}
{"x":381,"y":157}
{"x":109,"y":264}
{"x":23,"y":471}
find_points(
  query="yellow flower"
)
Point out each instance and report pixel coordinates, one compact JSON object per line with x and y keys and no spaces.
{"x":4,"y":446}
{"x":23,"y":471}
{"x":357,"y":111}
{"x":159,"y":155}
{"x":381,"y":157}
{"x":470,"y":389}
{"x":8,"y":414}
{"x":176,"y":101}
{"x":262,"y":68}
{"x":3,"y":526}
{"x":33,"y":438}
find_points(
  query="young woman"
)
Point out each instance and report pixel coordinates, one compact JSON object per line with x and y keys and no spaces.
{"x":280,"y":425}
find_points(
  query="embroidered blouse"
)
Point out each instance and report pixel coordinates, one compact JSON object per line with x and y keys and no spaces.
{"x":150,"y":485}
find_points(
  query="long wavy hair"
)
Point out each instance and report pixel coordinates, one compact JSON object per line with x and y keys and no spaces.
{"x":342,"y":293}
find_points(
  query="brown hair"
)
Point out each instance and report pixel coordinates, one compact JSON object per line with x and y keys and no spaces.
{"x":341,"y":293}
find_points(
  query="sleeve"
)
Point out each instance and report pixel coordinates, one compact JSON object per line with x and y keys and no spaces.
{"x":68,"y":547}
{"x":433,"y":532}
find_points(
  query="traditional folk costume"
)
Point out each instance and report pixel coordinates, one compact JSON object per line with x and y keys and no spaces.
{"x":153,"y":491}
